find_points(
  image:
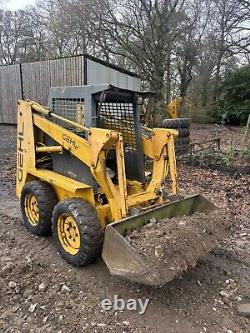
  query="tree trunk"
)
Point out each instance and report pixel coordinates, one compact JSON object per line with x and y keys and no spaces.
{"x":159,"y":107}
{"x":217,"y":78}
{"x":168,"y":77}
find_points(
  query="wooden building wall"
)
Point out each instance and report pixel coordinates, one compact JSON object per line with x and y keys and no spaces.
{"x":33,"y":80}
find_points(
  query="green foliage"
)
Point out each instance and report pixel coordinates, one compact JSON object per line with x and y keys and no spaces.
{"x":217,"y":159}
{"x":246,"y":154}
{"x":233,"y":106}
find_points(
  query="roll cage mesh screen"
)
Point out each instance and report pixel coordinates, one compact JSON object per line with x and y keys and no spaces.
{"x":69,"y":108}
{"x":119,"y":117}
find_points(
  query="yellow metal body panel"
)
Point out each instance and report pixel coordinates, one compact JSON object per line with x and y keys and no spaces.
{"x":56,"y":179}
{"x":92,"y":151}
{"x":173,"y":108}
{"x":65,"y":187}
{"x":122,"y":176}
{"x":68,"y":140}
{"x":25,"y":144}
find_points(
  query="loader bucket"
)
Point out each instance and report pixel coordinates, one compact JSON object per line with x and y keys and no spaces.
{"x":123,"y":261}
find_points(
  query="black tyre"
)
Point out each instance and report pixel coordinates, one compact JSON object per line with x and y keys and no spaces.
{"x":169,"y":123}
{"x":183,"y":141}
{"x":177,"y":123}
{"x":184,"y":122}
{"x":184,"y":132}
{"x":76,"y":231}
{"x":38,"y":200}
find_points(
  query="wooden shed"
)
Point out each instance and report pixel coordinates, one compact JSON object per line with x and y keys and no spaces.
{"x":33,"y":80}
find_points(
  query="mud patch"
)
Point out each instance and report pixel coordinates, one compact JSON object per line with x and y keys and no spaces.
{"x":172,"y":246}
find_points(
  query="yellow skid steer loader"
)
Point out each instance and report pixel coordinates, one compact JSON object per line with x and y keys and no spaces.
{"x":90,"y":173}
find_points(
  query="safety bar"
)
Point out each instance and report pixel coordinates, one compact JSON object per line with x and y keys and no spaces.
{"x":40,"y":109}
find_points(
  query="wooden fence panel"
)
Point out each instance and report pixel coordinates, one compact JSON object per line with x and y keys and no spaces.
{"x":10,"y":92}
{"x":38,"y":77}
{"x":67,"y":71}
{"x":36,"y":81}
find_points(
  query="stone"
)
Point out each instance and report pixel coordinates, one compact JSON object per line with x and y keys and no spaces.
{"x":236,"y":298}
{"x":225,"y":294}
{"x":17,"y":289}
{"x":32,"y":307}
{"x":27,"y":293}
{"x":42,"y":287}
{"x":7,"y":269}
{"x":65,"y":289}
{"x":12,"y":284}
{"x":244,"y":310}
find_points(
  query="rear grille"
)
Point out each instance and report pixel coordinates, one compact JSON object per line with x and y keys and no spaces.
{"x":119,"y":117}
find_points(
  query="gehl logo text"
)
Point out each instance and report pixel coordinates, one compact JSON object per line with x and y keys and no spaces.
{"x":20,"y":151}
{"x":70,"y":141}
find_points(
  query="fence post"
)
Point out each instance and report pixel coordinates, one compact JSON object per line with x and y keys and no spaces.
{"x":246,"y":135}
{"x":21,"y":80}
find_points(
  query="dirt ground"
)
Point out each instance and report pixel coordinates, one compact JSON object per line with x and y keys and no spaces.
{"x":39,"y":292}
{"x":230,"y":136}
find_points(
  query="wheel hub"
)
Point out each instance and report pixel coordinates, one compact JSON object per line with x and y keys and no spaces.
{"x":31,"y":209}
{"x":68,"y":234}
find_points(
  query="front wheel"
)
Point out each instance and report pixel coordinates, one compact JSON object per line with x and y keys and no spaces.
{"x":77,"y":232}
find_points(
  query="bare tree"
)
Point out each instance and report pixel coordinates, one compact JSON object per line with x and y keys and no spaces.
{"x":142,"y":32}
{"x":14,"y":33}
{"x":222,"y":45}
{"x":186,"y":49}
{"x":228,"y":18}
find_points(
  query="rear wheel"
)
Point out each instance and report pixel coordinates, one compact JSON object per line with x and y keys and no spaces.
{"x":183,"y":141}
{"x":177,"y":123}
{"x":38,"y":200}
{"x":77,"y":232}
{"x":183,"y":132}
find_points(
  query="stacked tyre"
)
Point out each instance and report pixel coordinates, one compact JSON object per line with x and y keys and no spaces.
{"x":183,"y":126}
